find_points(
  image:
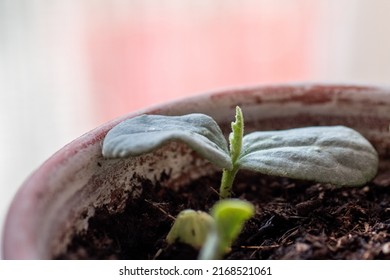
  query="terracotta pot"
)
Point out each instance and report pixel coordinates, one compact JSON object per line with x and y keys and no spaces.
{"x":58,"y":199}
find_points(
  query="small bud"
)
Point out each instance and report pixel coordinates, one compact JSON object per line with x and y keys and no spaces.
{"x":191,"y":227}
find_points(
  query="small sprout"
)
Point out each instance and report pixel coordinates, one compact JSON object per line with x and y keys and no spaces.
{"x":229,"y":216}
{"x":190,"y":227}
{"x":213,"y":233}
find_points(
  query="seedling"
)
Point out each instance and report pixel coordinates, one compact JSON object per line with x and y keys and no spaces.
{"x":215,"y":233}
{"x":229,"y":216}
{"x":325,"y":154}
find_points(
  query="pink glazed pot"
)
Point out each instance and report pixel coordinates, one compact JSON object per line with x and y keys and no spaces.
{"x":57,"y":200}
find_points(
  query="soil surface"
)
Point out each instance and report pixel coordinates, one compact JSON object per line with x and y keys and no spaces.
{"x":293,"y":220}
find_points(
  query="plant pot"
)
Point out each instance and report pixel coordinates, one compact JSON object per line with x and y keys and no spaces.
{"x":59,"y":199}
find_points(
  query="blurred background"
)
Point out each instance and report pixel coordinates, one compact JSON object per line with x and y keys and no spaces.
{"x":68,"y":66}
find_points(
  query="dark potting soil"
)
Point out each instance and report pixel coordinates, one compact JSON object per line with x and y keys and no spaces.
{"x":293,"y":220}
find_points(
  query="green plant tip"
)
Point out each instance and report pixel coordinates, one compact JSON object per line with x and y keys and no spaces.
{"x":235,"y":137}
{"x":230,"y":216}
{"x":235,"y":146}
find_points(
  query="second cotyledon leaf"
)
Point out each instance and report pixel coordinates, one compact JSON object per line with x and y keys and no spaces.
{"x":326,"y":154}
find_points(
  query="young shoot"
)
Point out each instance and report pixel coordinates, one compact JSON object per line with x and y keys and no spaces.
{"x":215,"y":233}
{"x":235,"y":141}
{"x":229,"y":216}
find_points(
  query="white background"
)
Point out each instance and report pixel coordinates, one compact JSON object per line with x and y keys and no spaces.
{"x":110,"y":269}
